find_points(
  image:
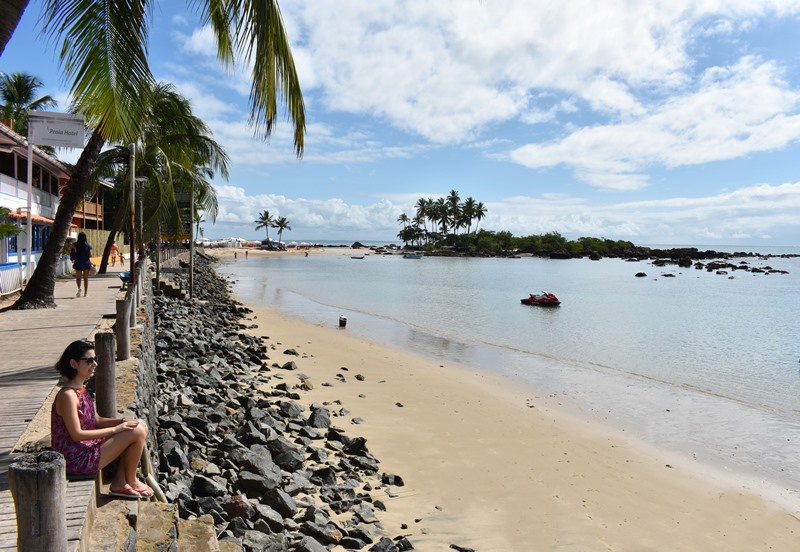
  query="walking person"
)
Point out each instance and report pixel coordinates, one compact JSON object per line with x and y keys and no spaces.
{"x":81,"y":257}
{"x":113,"y":253}
{"x":90,"y":442}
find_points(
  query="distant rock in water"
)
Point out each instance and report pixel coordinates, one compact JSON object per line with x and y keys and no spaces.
{"x":357,"y":245}
{"x":640,"y":275}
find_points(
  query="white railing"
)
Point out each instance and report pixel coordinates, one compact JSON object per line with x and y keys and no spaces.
{"x":10,"y":278}
{"x":19,"y":189}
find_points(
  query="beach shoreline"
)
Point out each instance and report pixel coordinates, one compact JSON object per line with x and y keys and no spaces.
{"x":495,"y":466}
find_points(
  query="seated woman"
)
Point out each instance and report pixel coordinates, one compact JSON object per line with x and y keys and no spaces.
{"x":90,"y":442}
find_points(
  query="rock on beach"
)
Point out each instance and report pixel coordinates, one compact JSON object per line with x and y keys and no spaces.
{"x":234,"y":442}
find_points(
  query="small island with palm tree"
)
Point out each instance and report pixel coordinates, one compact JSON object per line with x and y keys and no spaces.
{"x":444,"y":227}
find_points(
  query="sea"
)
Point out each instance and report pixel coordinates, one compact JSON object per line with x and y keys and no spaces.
{"x":700,"y":364}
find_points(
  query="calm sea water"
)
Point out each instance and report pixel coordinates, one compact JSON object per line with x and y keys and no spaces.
{"x":699,"y":363}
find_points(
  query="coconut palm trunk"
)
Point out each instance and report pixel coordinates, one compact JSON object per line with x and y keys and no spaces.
{"x":39,"y":293}
{"x":10,"y":15}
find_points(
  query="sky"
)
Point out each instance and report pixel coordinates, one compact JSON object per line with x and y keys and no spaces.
{"x":656,"y":122}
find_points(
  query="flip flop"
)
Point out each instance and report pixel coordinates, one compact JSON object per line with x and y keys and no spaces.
{"x":146,"y":491}
{"x":125,"y":492}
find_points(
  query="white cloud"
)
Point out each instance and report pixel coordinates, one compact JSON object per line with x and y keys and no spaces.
{"x":718,"y":120}
{"x":446,"y":69}
{"x":747,"y":213}
{"x":201,"y":41}
{"x":305,"y":215}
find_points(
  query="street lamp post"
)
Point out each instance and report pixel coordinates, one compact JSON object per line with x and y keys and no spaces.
{"x":140,"y":182}
{"x":132,"y":206}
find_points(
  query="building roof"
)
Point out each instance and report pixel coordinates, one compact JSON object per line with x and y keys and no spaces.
{"x":11,"y":141}
{"x":35,"y":218}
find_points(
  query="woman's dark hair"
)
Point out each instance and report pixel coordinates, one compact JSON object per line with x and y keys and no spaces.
{"x":74,"y":351}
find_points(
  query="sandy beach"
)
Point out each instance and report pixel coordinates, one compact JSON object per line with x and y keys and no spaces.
{"x":490,"y":465}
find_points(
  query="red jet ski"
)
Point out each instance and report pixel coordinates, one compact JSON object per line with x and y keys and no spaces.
{"x":544,"y":299}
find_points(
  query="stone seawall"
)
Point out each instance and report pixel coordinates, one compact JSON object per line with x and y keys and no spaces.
{"x":144,"y":350}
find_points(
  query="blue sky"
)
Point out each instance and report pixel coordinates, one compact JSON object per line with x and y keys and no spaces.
{"x":656,"y":122}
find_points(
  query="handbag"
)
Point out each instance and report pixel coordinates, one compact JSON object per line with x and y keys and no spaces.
{"x":93,"y":270}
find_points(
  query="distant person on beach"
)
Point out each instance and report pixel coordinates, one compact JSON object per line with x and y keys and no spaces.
{"x":81,"y":257}
{"x":113,"y":252}
{"x":245,"y":253}
{"x":90,"y":442}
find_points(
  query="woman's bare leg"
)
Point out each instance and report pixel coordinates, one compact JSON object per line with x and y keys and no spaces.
{"x":78,"y":280}
{"x":128,"y":447}
{"x":85,"y":282}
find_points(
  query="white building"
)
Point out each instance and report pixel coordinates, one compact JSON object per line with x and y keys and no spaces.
{"x":49,"y":174}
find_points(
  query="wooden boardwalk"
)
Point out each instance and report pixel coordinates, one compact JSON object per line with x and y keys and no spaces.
{"x":30,"y":343}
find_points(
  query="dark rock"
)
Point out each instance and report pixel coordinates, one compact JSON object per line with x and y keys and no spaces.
{"x":291,"y":409}
{"x":320,"y":417}
{"x":285,"y":454}
{"x":254,"y":541}
{"x":326,"y":534}
{"x":272,"y":518}
{"x":205,"y":486}
{"x":404,"y":544}
{"x":309,"y":544}
{"x":238,"y":506}
{"x":281,"y":502}
{"x":384,"y":545}
{"x":253,"y":484}
{"x":352,"y":543}
{"x":366,"y":514}
{"x":391,"y":479}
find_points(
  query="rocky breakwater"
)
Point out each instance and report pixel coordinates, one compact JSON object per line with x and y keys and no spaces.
{"x":235,"y":443}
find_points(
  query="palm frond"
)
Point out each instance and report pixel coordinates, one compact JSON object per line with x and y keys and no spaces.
{"x":104,"y":53}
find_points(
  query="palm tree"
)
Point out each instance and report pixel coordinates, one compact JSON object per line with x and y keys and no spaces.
{"x":198,"y":229}
{"x":455,"y":210}
{"x":442,"y":213}
{"x":468,"y":213}
{"x":176,"y":151}
{"x":403,"y":219}
{"x":7,"y":227}
{"x":18,"y":93}
{"x":264,"y":220}
{"x":104,"y":54}
{"x":479,"y":214}
{"x":419,"y":224}
{"x":281,"y":224}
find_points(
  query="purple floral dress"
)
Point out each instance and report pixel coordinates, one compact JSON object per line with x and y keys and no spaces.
{"x":83,"y":457}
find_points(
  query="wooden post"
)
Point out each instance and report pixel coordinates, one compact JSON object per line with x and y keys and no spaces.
{"x":105,"y":378}
{"x":38,"y":484}
{"x":122,"y":328}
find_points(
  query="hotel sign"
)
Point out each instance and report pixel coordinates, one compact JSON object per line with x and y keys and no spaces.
{"x":60,"y":130}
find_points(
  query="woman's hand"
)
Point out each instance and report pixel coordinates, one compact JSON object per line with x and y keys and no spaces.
{"x":126,"y":425}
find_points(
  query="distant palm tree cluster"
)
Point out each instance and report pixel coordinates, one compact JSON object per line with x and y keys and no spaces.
{"x":437,"y":221}
{"x":267,"y":221}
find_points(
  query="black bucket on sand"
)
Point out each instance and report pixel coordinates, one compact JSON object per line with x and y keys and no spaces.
{"x":342,"y":321}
